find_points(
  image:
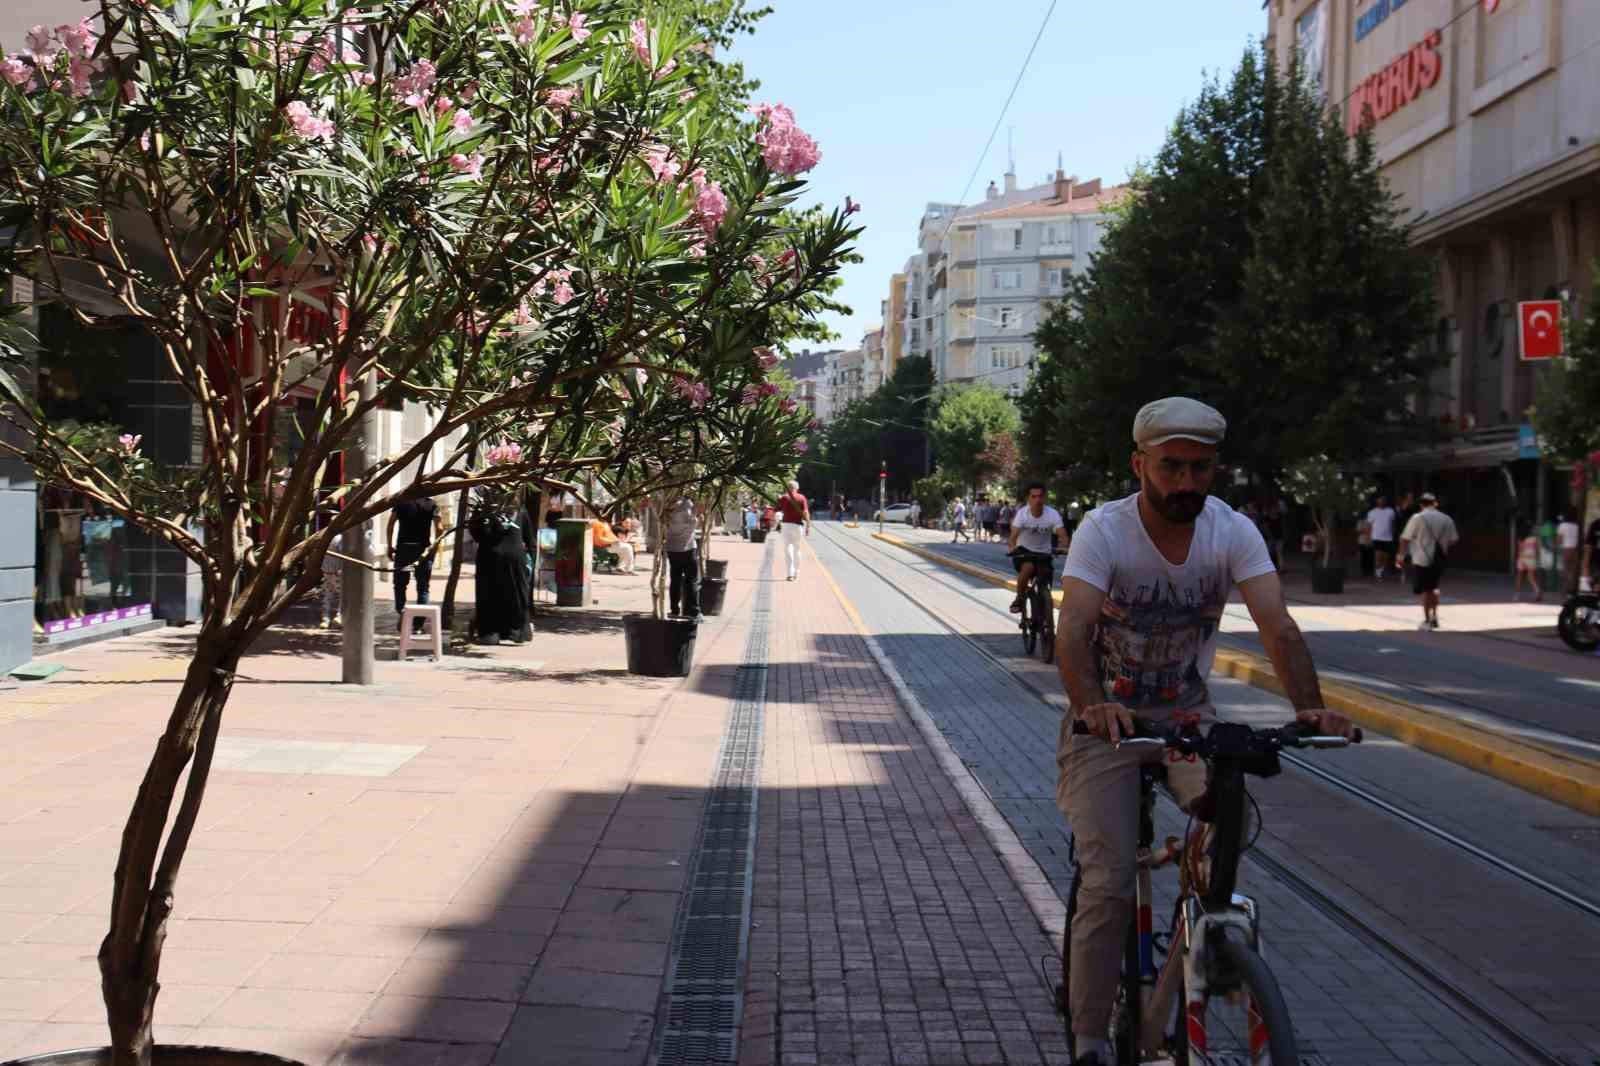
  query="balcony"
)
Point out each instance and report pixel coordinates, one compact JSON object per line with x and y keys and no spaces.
{"x":1058,"y":250}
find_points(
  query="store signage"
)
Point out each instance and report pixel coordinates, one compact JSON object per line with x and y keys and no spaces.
{"x":1375,"y":16}
{"x":1408,"y":76}
{"x":99,"y":618}
{"x":1539,"y":328}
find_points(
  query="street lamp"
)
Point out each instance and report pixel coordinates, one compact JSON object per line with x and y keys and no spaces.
{"x":883,"y":480}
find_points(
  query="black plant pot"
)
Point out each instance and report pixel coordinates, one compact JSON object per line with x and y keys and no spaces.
{"x":659,"y":647}
{"x":758,"y":536}
{"x":163,"y":1055}
{"x":713,"y":591}
{"x":716,"y":568}
{"x":1327,"y":579}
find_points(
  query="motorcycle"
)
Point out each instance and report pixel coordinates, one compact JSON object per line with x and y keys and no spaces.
{"x":1579,"y":624}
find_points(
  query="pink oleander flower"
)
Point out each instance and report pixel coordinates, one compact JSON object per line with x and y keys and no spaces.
{"x":787,"y":404}
{"x":130,"y":91}
{"x":414,"y":88}
{"x":521,"y":8}
{"x":696,"y":249}
{"x":307,"y":125}
{"x":639,"y":39}
{"x":767,"y":388}
{"x":757,"y":265}
{"x":685,"y":95}
{"x":801,"y":446}
{"x":710,"y":207}
{"x":560,"y":99}
{"x":16,"y":71}
{"x":696,"y":392}
{"x":522,"y":316}
{"x":80,"y":70}
{"x":662,"y":165}
{"x":129,"y":442}
{"x":768,"y":358}
{"x":525,"y":30}
{"x":461,"y":121}
{"x":562,"y":293}
{"x":503,"y":454}
{"x":470,"y":165}
{"x":42,"y":48}
{"x":576,"y":24}
{"x":813,"y":424}
{"x":749,"y":396}
{"x":78,"y":40}
{"x":786,"y":148}
{"x":666,"y":68}
{"x":850,"y":206}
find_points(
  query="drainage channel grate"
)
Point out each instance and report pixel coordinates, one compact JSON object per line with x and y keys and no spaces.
{"x":704,"y":998}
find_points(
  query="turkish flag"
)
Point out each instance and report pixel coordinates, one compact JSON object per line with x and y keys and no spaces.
{"x":1539,"y":323}
{"x":1491,"y":5}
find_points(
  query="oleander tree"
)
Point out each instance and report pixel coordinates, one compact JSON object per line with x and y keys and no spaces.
{"x":529,"y":215}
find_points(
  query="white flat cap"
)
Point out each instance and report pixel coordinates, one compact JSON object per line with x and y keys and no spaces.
{"x":1178,"y":418}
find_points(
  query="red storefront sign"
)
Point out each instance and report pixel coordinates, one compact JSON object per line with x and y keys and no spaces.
{"x":1408,"y":76}
{"x":1539,"y":328}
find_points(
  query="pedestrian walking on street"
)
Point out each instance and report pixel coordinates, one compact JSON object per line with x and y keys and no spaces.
{"x":958,"y":522}
{"x":1428,"y":538}
{"x":1364,"y":546}
{"x":1146,"y":579}
{"x":1527,"y":563}
{"x":1003,"y":519}
{"x":420,"y":524}
{"x":683,"y":562}
{"x":752,"y":519}
{"x":796,"y":516}
{"x":1568,"y":536}
{"x":915,"y":517}
{"x":1382,"y":519}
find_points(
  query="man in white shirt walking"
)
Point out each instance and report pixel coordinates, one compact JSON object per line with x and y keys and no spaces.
{"x":1568,"y":534}
{"x":1429,"y":536}
{"x":1382,"y":519}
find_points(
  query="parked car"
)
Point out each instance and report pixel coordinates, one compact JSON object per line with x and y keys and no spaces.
{"x":895,"y":512}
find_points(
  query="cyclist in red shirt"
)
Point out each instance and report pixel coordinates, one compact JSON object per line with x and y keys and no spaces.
{"x":796,"y":512}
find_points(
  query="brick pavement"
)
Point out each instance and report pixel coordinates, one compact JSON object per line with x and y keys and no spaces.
{"x":473,"y":862}
{"x":885,"y":927}
{"x":1350,"y":1005}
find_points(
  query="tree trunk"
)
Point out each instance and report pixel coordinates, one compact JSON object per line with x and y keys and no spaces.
{"x":142,"y":896}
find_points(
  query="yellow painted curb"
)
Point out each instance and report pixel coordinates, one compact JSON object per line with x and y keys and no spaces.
{"x":1569,"y":782}
{"x":982,"y":573}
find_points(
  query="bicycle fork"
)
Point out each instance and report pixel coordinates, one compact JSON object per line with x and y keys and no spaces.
{"x":1188,"y":965}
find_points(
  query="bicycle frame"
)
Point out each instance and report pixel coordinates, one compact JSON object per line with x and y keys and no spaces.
{"x":1199,"y":922}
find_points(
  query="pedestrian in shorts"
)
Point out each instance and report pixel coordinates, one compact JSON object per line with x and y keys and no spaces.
{"x":1428,"y":538}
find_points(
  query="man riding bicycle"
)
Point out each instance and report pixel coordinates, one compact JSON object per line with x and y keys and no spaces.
{"x":1145,"y":585}
{"x":1037,"y":528}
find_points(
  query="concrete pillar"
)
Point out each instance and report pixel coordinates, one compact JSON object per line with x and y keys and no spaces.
{"x":1453,"y":300}
{"x":359,"y":584}
{"x":1502,"y":284}
{"x":18,"y":521}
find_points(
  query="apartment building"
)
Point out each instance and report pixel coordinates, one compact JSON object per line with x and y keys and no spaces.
{"x":893,"y":312}
{"x":849,"y":378}
{"x":813,"y":375}
{"x":986,"y":273}
{"x":1486,"y":117}
{"x":874,"y":361}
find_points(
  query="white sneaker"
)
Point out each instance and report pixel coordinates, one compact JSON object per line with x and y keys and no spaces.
{"x":1423,"y":626}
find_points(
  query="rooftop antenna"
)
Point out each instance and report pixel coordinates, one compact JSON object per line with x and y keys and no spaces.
{"x":1011,"y":154}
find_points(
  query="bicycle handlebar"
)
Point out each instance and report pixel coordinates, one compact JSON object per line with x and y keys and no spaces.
{"x":1189,"y":742}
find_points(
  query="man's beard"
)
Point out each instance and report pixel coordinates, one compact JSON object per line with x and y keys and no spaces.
{"x":1179,"y":508}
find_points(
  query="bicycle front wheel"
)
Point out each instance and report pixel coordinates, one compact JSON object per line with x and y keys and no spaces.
{"x":1248,"y":1026}
{"x":1030,"y":635}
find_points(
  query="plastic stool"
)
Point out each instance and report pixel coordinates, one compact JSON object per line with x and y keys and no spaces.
{"x":428,"y":613}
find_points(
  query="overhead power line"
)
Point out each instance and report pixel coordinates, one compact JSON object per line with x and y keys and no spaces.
{"x":1001,"y":117}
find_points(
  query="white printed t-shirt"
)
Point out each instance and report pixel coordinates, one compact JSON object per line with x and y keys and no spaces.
{"x":1158,"y":627}
{"x":1036,"y":534}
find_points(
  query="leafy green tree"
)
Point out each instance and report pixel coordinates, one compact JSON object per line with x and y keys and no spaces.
{"x":888,"y":426}
{"x":1569,"y":389}
{"x":1261,"y":265}
{"x":966,"y":419}
{"x":549,"y":226}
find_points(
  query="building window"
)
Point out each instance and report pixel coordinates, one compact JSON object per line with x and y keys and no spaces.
{"x":1016,"y":239}
{"x":1006,"y":279}
{"x":1054,"y":278}
{"x":1008,"y":317}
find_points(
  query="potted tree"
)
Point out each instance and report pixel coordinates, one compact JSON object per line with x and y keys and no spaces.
{"x":1319,"y":484}
{"x":343,"y":201}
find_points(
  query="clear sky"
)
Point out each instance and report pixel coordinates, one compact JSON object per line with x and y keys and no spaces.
{"x":901,"y":95}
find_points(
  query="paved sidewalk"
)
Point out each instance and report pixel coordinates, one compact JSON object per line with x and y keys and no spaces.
{"x":471,"y":862}
{"x":887,"y":929}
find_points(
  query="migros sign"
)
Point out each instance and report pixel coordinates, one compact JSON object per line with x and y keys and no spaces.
{"x":1406,"y":77}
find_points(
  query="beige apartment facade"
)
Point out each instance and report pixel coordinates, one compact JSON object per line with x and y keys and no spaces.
{"x":1486,"y":119}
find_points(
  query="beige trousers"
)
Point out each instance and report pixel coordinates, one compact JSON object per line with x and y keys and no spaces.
{"x":1098,"y":791}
